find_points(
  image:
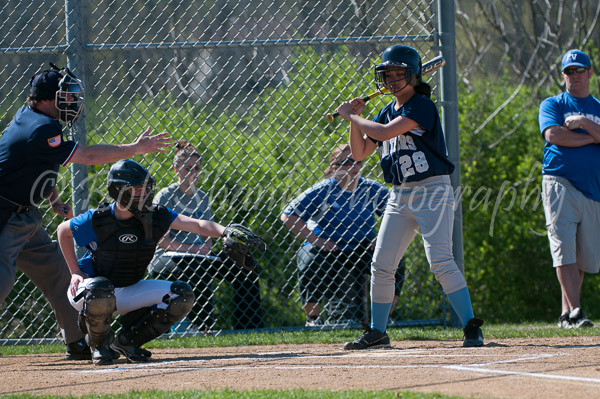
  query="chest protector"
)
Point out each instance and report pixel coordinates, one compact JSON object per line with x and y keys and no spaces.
{"x":124,"y":251}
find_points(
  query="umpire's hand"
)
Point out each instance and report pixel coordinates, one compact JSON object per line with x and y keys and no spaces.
{"x":146,"y":144}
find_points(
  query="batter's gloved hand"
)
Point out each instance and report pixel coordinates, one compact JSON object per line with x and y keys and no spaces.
{"x":237,"y":241}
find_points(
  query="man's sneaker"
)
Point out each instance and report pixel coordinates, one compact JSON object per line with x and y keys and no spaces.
{"x":102,"y":356}
{"x":473,"y":334}
{"x":371,"y":339}
{"x":132,"y":353}
{"x":313,"y":321}
{"x":578,"y":319}
{"x":78,"y":350}
{"x":563,"y":321}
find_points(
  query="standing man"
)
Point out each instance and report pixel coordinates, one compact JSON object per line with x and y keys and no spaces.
{"x":31,"y":150}
{"x":570,"y":125}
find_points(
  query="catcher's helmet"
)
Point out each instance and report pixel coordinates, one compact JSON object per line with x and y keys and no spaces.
{"x":124,"y":177}
{"x":66,"y":91}
{"x":395,"y":57}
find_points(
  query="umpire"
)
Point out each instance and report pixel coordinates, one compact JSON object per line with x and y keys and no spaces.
{"x":32,"y":148}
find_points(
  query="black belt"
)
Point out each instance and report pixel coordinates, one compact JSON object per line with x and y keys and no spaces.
{"x":5,"y":203}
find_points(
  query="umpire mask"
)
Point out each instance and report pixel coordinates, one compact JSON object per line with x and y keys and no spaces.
{"x":66,"y":91}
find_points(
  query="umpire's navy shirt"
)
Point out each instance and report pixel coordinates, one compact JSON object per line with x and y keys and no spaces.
{"x":32,"y":148}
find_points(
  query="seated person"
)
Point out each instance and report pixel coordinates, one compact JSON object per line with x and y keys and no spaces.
{"x":336,"y":218}
{"x":189,"y":257}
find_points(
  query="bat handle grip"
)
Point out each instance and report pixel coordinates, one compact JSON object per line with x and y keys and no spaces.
{"x":331,"y":117}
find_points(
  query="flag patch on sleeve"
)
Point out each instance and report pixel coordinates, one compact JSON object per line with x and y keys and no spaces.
{"x":54,"y":141}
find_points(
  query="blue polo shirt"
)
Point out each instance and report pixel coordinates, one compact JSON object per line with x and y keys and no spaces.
{"x":579,"y":165}
{"x":32,"y":148}
{"x":345,"y":217}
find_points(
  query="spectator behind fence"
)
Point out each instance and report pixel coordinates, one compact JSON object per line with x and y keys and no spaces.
{"x":336,"y":218}
{"x":570,"y":125}
{"x":189,"y":257}
{"x":31,"y":150}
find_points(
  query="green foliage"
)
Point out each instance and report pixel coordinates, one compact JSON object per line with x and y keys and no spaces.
{"x":339,"y":336}
{"x":259,"y":159}
{"x":507,"y":257}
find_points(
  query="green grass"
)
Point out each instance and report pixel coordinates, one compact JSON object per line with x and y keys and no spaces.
{"x":491,"y":332}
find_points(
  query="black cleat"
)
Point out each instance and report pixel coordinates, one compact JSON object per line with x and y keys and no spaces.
{"x":78,"y":350}
{"x":578,"y":319}
{"x":102,"y":356}
{"x":563,"y":321}
{"x":371,"y":339}
{"x":473,"y":335}
{"x":133,"y":353}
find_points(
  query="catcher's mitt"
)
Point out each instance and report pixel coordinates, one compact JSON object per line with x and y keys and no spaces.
{"x":237,"y":241}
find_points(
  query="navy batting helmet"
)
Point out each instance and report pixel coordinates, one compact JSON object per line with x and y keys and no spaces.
{"x":131,"y":185}
{"x":396,"y":57}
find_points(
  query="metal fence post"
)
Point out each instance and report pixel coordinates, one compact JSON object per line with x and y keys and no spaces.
{"x":449,"y":99}
{"x":76,"y":61}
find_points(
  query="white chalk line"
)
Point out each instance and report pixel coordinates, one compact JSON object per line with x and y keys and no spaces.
{"x":475,"y":368}
{"x":524,"y":374}
{"x":276,"y":356}
{"x":231,"y":368}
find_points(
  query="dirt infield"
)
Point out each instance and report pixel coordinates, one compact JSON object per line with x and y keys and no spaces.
{"x":503,"y":368}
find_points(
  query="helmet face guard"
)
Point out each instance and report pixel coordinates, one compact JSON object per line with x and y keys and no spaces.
{"x":136,"y":199}
{"x":70,"y":97}
{"x":387,"y":86}
{"x":131,"y":186}
{"x":398,"y":58}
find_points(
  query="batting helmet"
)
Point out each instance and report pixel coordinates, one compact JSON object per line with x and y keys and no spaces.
{"x":125,"y":178}
{"x":66,"y":91}
{"x":395,"y":57}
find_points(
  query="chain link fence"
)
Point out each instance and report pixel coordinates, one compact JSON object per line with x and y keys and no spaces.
{"x":248,"y":85}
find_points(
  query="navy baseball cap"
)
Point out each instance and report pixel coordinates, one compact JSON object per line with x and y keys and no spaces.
{"x":575,"y":58}
{"x":44,"y":85}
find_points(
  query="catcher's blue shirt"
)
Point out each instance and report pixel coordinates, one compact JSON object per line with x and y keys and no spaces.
{"x":579,"y":165}
{"x":345,"y":217}
{"x":419,"y":153}
{"x":84,"y":235}
{"x":31,"y":150}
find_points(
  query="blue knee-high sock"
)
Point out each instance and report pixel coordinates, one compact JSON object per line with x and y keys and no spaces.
{"x":379,"y":315}
{"x":461,"y":303}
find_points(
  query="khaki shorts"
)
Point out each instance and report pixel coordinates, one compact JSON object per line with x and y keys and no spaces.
{"x":573,"y":224}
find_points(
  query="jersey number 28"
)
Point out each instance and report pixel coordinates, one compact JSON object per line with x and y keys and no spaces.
{"x":416,"y":161}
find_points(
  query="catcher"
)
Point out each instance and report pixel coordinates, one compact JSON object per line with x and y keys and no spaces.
{"x":121,"y":238}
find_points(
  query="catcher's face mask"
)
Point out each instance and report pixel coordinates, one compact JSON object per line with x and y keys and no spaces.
{"x":131,"y":186}
{"x":137,"y":198}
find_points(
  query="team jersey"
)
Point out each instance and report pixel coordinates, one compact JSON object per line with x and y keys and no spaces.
{"x":419,"y":153}
{"x":579,"y":165}
{"x":84,"y":235}
{"x":345,"y":217}
{"x":31,"y":150}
